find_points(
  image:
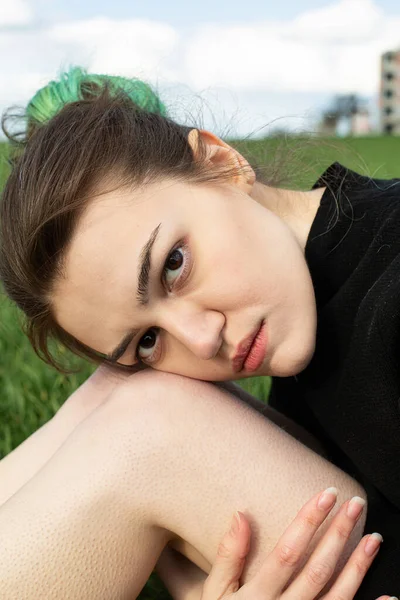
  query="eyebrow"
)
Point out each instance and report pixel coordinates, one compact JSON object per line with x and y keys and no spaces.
{"x":142,"y":294}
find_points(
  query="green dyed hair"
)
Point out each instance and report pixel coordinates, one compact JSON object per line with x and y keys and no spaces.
{"x":77,"y":84}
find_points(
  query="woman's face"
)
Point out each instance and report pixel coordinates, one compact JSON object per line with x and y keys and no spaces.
{"x":220,"y":265}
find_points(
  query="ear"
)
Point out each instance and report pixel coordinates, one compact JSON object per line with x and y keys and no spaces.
{"x":221,"y":154}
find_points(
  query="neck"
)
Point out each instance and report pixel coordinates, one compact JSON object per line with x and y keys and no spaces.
{"x":296,"y":209}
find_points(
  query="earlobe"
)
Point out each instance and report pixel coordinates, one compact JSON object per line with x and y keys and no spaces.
{"x":221,"y":154}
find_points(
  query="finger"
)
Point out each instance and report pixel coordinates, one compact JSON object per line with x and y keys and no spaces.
{"x":229,"y":562}
{"x":289,"y":552}
{"x":321,"y":565}
{"x":356,"y":567}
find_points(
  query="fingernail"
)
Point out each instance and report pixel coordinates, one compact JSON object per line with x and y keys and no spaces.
{"x":355,"y":507}
{"x":373,"y":543}
{"x":327,"y":498}
{"x":235,"y":523}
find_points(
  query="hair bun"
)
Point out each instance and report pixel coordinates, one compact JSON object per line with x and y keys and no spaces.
{"x":77,"y":84}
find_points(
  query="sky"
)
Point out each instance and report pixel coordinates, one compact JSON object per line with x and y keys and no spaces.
{"x":237,"y":68}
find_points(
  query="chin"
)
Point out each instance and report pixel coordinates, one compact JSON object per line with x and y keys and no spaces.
{"x":290,"y":366}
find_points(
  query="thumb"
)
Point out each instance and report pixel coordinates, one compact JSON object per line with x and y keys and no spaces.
{"x":229,"y":562}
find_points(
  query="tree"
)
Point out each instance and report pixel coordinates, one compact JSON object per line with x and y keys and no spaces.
{"x":346,"y":105}
{"x":343,"y":106}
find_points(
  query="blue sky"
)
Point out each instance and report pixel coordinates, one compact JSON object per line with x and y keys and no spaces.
{"x":184,"y":12}
{"x":244,"y":64}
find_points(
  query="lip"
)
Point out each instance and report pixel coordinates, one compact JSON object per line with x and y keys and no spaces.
{"x":244,"y":349}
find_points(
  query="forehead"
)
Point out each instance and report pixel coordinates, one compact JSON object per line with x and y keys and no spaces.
{"x":116,"y":217}
{"x":122,"y":220}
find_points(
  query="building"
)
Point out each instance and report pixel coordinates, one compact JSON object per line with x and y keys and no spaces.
{"x":354,"y":121}
{"x":389,"y":97}
{"x":360,"y":123}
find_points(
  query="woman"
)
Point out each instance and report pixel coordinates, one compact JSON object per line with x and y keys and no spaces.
{"x":105,"y":201}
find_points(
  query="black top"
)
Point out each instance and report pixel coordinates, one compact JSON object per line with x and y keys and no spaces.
{"x":349,"y":394}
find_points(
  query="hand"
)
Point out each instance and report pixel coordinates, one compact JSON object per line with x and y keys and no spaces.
{"x":282,"y":564}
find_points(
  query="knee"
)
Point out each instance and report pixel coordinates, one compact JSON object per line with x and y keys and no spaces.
{"x":144,"y":424}
{"x":133,"y":425}
{"x":159,"y":401}
{"x":154,"y":392}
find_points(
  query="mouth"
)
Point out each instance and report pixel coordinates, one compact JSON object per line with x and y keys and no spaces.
{"x":251,"y":351}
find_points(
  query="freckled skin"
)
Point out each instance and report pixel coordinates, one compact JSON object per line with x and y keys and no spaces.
{"x":245,"y":263}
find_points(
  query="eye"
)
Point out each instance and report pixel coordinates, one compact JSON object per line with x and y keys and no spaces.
{"x":146,"y":345}
{"x":177,"y":262}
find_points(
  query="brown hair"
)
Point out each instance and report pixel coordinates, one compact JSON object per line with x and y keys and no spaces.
{"x":54,"y":174}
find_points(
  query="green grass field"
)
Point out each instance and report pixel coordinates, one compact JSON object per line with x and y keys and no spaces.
{"x":31,"y":392}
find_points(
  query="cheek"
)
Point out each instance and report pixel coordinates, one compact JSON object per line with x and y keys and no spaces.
{"x":235,"y":280}
{"x":233,"y":258}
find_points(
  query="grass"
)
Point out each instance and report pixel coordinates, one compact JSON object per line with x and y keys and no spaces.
{"x":32,"y":392}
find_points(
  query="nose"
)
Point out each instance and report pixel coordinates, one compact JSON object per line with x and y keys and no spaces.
{"x":198,"y":329}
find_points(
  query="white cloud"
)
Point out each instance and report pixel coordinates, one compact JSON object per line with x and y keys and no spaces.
{"x":335,"y":49}
{"x":129,"y":47}
{"x":325,"y":51}
{"x":15,"y":12}
{"x":347,"y":21}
